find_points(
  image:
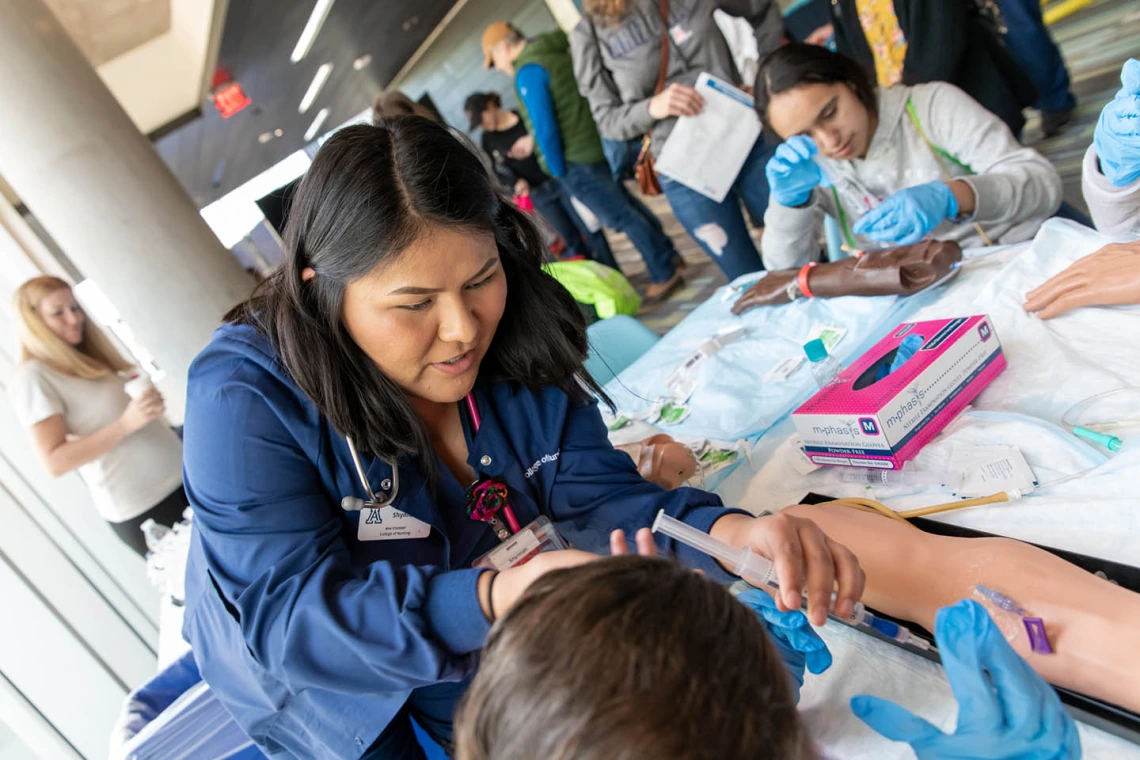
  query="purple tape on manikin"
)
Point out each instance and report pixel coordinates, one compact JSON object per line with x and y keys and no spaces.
{"x":1038,"y":641}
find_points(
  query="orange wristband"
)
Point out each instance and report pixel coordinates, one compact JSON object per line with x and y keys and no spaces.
{"x":802,"y":280}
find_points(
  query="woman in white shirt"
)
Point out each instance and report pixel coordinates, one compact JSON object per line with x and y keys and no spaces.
{"x":69,"y":393}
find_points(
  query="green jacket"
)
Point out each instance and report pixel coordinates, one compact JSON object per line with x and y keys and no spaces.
{"x":580,"y":141}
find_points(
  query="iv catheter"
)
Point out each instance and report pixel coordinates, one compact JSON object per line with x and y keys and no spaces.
{"x":759,"y":571}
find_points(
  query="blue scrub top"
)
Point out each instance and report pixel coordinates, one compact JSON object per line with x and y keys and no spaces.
{"x":316,"y":641}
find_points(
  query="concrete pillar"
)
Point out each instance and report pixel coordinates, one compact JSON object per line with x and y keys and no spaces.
{"x":101,"y":191}
{"x":566,"y":12}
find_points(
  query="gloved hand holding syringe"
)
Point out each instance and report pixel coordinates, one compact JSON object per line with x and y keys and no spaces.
{"x":761,"y":573}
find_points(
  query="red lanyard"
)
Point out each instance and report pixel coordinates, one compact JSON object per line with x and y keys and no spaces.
{"x":488,"y":498}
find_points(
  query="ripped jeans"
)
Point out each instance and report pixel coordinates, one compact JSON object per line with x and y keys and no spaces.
{"x":719,"y":228}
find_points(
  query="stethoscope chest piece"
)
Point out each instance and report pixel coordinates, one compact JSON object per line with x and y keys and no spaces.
{"x":389,"y":487}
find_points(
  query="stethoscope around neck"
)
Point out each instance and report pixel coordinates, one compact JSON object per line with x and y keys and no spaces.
{"x":355,"y":503}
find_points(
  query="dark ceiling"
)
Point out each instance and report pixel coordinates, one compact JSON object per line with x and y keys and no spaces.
{"x":257,"y":40}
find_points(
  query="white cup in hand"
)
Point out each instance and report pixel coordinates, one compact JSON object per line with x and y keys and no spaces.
{"x":138,"y":385}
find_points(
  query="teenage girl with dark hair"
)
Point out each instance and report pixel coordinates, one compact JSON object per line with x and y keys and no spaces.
{"x":413,"y":319}
{"x":890,"y":164}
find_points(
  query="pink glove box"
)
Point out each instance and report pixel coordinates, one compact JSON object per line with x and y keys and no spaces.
{"x":860,"y":422}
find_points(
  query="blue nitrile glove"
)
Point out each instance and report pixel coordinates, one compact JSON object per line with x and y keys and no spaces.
{"x":793,"y":635}
{"x":907,"y":348}
{"x":908,"y":215}
{"x":1005,"y":710}
{"x":791,"y":172}
{"x":1117,"y":135}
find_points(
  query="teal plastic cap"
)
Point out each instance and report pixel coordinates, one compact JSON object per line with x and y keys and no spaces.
{"x":815,"y":350}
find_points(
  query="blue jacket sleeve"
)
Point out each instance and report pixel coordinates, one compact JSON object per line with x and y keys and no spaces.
{"x":274,"y":550}
{"x":599,"y":489}
{"x":534,"y":88}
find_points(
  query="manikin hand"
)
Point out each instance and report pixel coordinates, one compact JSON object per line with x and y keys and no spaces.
{"x":1109,"y":277}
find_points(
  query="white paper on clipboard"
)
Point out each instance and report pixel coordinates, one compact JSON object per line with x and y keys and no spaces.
{"x":706,"y":152}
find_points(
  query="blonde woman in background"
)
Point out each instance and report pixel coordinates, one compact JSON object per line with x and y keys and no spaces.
{"x":69,"y":393}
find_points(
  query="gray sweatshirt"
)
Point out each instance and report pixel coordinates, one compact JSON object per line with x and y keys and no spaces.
{"x":1016,"y":188}
{"x":1115,"y":210}
{"x":618,"y":72}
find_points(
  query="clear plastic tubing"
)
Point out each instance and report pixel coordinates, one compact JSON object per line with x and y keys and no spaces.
{"x":760,"y":571}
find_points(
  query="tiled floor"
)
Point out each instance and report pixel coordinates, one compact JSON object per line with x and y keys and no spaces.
{"x":1095,"y":42}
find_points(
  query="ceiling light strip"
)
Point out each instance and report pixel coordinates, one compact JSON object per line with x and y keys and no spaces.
{"x":315,"y":86}
{"x":315,"y":127}
{"x":312,"y":28}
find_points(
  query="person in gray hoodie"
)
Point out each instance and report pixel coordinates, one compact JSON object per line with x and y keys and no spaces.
{"x":892,"y":165}
{"x":617,"y":50}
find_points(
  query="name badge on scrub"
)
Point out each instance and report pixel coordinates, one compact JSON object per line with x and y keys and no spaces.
{"x":535,"y":538}
{"x":389,"y":523}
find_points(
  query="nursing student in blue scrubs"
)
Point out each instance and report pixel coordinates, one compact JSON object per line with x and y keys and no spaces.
{"x":411,"y":316}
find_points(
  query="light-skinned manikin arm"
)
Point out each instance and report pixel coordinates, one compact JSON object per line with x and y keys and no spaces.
{"x":1093,"y":625}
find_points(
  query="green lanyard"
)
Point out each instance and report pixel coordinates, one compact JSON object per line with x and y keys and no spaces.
{"x":843,"y":220}
{"x":922,"y":133}
{"x":934,"y":148}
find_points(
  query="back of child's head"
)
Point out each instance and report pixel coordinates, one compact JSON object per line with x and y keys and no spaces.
{"x":629,"y":657}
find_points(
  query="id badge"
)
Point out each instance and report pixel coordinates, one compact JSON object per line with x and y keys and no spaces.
{"x":389,"y":523}
{"x":535,"y":538}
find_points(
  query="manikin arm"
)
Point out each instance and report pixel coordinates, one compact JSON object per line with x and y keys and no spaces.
{"x":1093,"y":626}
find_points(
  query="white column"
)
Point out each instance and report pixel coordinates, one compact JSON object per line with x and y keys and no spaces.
{"x":566,"y":13}
{"x":101,"y":191}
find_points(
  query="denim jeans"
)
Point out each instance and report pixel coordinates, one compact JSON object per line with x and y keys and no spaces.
{"x":719,"y":228}
{"x":593,"y":185}
{"x":1029,"y":43}
{"x":553,"y":203}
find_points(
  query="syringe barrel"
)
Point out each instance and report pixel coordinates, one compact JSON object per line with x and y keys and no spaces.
{"x":699,"y":540}
{"x":757,"y":570}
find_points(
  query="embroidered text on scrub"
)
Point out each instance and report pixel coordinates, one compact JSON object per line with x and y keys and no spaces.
{"x":546,"y":459}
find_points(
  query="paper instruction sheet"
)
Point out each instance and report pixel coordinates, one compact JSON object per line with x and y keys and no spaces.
{"x":706,"y":152}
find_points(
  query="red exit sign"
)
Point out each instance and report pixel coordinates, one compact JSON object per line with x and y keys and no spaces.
{"x":230,"y":99}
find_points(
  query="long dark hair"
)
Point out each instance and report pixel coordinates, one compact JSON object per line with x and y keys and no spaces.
{"x":796,"y":64}
{"x":370,"y":192}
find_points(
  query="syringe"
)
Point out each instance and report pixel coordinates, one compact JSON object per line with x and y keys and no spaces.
{"x":905,"y":478}
{"x":759,"y":571}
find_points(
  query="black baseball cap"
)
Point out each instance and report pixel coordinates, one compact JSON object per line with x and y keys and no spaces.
{"x":475,"y":105}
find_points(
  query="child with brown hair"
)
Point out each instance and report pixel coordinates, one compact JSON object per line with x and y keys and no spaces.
{"x":629,"y":657}
{"x":636,"y":657}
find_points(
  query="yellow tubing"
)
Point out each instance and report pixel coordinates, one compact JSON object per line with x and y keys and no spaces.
{"x":996,"y":498}
{"x":870,"y":505}
{"x":1058,"y":11}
